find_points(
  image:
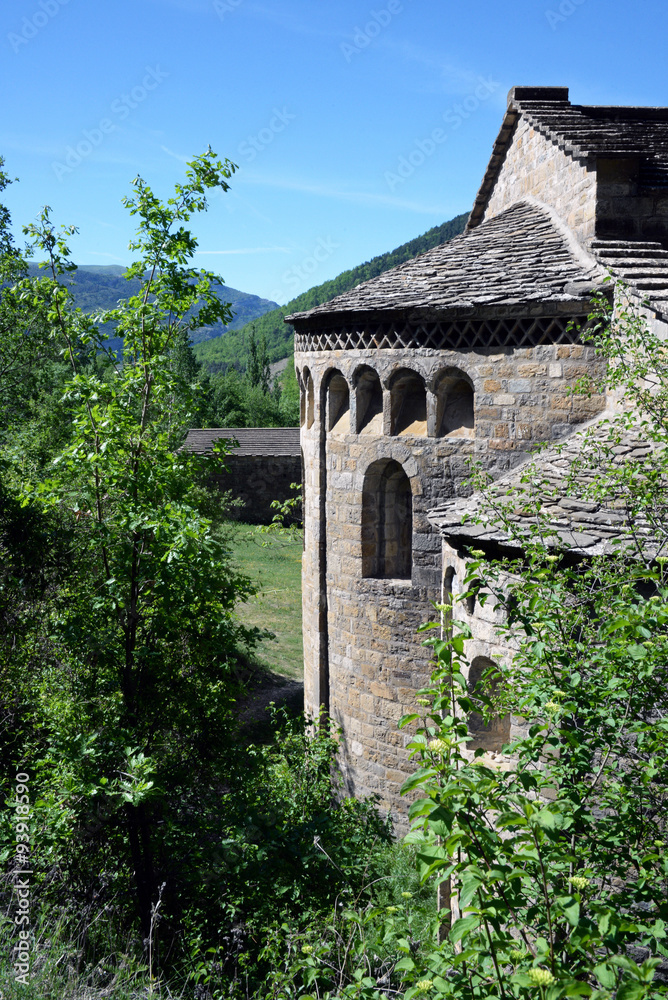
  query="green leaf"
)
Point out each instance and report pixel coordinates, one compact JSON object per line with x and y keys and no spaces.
{"x":545,"y":819}
{"x":570,"y":907}
{"x":429,"y":860}
{"x":576,"y":989}
{"x":605,"y":975}
{"x":631,"y":990}
{"x":464,"y":926}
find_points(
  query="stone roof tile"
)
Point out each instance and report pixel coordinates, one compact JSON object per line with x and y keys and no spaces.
{"x":268,"y":441}
{"x":586,"y":526}
{"x":518,"y":257}
{"x":643,"y":266}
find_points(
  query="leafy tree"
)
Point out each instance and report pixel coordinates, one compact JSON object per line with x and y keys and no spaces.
{"x":257,"y":370}
{"x":129,"y":678}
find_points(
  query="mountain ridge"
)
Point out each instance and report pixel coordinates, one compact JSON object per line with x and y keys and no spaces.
{"x":97,"y":287}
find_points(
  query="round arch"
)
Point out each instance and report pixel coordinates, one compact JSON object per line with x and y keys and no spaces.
{"x":387,"y":521}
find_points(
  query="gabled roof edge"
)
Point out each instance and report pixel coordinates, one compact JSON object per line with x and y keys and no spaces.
{"x":502,"y":143}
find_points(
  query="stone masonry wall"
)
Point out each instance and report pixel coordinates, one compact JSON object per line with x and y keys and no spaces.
{"x":257,"y":480}
{"x":362,"y":654}
{"x":624,"y":210}
{"x":535,"y":167}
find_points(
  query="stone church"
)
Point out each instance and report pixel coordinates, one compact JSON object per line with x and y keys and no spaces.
{"x":468,"y":351}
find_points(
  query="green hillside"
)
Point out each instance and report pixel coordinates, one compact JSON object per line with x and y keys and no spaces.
{"x":99,"y":287}
{"x":279,"y":336}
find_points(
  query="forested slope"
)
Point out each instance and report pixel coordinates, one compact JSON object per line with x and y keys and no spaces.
{"x":96,"y":288}
{"x":222,"y":351}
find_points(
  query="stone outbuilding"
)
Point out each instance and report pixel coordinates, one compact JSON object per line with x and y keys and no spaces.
{"x":468,"y":352}
{"x":262,"y":465}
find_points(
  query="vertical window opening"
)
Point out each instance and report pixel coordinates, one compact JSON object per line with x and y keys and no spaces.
{"x":302,"y":401}
{"x":484,"y":680}
{"x":447,"y":596}
{"x":338,"y":405}
{"x":310,"y":401}
{"x":455,"y":410}
{"x":409,"y":403}
{"x":387,"y":522}
{"x":369,"y":403}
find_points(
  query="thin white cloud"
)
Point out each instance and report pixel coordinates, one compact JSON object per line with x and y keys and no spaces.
{"x":26,"y":144}
{"x":176,"y":156}
{"x":192,"y":6}
{"x":299,"y":24}
{"x":248,"y":250}
{"x":368,"y":198}
{"x":99,"y":253}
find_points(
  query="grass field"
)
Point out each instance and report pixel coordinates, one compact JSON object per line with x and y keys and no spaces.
{"x":275,"y":565}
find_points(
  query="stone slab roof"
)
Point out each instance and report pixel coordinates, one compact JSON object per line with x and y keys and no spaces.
{"x":643,"y":266}
{"x":585,"y":132}
{"x":267,"y":441}
{"x":556,"y":483}
{"x":521,"y":256}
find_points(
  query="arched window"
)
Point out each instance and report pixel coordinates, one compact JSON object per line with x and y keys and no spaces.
{"x":369,"y":395}
{"x":409,"y":403}
{"x":387,"y":522}
{"x":308,"y":397}
{"x":447,"y":592}
{"x":484,"y":679}
{"x":338,"y":405}
{"x":301,"y":376}
{"x":454,"y":405}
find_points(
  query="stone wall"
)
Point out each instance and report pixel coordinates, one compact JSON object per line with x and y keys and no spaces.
{"x":624,"y":210}
{"x":363,"y":657}
{"x":535,"y":167}
{"x":257,"y":480}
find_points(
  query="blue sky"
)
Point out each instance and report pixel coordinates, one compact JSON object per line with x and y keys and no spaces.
{"x":330,"y":109}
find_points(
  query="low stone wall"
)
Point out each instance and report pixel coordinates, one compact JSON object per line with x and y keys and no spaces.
{"x":257,"y":480}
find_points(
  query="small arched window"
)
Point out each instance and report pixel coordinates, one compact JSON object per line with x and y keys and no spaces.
{"x":409,"y":403}
{"x":483,"y":679}
{"x":387,"y":522}
{"x":338,"y":405}
{"x":308,"y":397}
{"x":447,"y":596}
{"x":454,"y":406}
{"x":369,"y":395}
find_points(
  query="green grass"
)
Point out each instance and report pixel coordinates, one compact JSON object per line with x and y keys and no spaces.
{"x":275,"y":565}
